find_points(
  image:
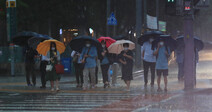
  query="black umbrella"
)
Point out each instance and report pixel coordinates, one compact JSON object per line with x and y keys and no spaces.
{"x":23,"y":37}
{"x":197,"y":42}
{"x":34,"y":41}
{"x":120,"y":37}
{"x":147,"y":35}
{"x":168,"y":41}
{"x":78,"y":43}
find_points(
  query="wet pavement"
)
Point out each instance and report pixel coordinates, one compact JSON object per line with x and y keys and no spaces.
{"x":16,"y":96}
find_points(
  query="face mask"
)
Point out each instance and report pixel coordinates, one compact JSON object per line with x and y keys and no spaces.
{"x":88,"y":45}
{"x":161,"y":43}
{"x":151,"y":40}
{"x":126,"y":48}
{"x":53,"y":48}
{"x":103,"y":46}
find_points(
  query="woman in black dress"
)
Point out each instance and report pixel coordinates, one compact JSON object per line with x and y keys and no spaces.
{"x":126,"y":59}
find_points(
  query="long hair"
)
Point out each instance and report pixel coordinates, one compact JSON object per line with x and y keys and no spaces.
{"x":51,"y":44}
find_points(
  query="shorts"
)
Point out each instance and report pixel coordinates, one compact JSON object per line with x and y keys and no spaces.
{"x":160,"y":72}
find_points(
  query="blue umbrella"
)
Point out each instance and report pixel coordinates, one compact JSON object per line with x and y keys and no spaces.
{"x":22,"y":38}
{"x":147,"y":35}
{"x":78,"y":43}
{"x":197,"y":42}
{"x":34,"y":41}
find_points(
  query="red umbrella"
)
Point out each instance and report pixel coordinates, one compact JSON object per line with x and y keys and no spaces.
{"x":108,"y":40}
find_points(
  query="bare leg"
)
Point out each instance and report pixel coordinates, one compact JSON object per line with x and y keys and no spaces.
{"x":165,"y":82}
{"x":128,"y":85}
{"x":158,"y":81}
{"x":52,"y":85}
{"x":57,"y":85}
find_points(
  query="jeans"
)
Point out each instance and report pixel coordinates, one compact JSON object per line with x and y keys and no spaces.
{"x":105,"y":72}
{"x":148,"y":65}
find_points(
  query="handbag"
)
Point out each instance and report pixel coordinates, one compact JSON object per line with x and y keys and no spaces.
{"x":59,"y":68}
{"x":49,"y":68}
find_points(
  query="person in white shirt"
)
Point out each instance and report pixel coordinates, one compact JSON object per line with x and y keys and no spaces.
{"x":149,"y":61}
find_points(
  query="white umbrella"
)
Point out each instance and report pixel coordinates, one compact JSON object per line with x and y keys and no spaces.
{"x":117,"y":47}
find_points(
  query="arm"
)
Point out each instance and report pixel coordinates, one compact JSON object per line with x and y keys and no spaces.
{"x":123,"y":62}
{"x":156,"y":52}
{"x":82,"y":54}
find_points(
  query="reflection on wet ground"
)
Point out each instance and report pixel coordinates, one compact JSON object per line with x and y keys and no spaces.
{"x":15,"y":96}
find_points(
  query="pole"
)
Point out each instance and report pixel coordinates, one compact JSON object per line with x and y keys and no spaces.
{"x":189,"y":58}
{"x":11,"y":30}
{"x":138,"y":32}
{"x":108,"y":14}
{"x":157,"y":13}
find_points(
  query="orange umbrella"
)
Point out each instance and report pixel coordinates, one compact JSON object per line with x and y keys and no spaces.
{"x":44,"y":46}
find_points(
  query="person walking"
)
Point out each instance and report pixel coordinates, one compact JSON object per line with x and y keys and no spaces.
{"x":126,"y":59}
{"x":44,"y":62}
{"x":162,"y":54}
{"x":180,"y":62}
{"x":88,"y":58}
{"x":54,"y":58}
{"x":78,"y":68}
{"x":149,"y":61}
{"x":105,"y":65}
{"x":29,"y":66}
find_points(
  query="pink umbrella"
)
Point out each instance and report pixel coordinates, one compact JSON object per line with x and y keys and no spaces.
{"x":108,"y":40}
{"x":117,"y":47}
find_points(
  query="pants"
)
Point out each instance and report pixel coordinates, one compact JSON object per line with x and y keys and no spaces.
{"x":78,"y":73}
{"x":86,"y":72}
{"x":30,"y":71}
{"x":180,"y":70}
{"x":105,"y":72}
{"x":43,"y":72}
{"x":115,"y":72}
{"x":96,"y":75}
{"x":148,"y":65}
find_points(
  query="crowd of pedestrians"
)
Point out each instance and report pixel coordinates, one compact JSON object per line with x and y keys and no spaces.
{"x":155,"y":56}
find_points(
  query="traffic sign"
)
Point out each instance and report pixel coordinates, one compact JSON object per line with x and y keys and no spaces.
{"x":112,"y":20}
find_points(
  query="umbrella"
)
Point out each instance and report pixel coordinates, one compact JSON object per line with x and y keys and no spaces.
{"x":197,"y":42}
{"x":168,"y":40}
{"x":108,"y":40}
{"x":78,"y":43}
{"x":117,"y":47}
{"x":44,"y":46}
{"x":23,"y":37}
{"x":34,"y":41}
{"x":119,"y":37}
{"x":147,"y":35}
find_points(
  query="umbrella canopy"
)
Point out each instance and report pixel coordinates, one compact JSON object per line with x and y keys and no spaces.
{"x":168,"y":40}
{"x":117,"y":47}
{"x":34,"y":41}
{"x":78,"y":43}
{"x":197,"y":42}
{"x":119,"y":37}
{"x":147,"y":35}
{"x":108,"y":40}
{"x":44,"y":46}
{"x":22,"y":38}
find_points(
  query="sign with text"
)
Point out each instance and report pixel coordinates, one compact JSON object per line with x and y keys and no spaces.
{"x":152,"y":22}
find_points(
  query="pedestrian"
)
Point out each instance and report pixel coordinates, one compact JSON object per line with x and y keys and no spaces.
{"x":126,"y":59}
{"x":162,"y":53}
{"x":44,"y":62}
{"x":29,"y":66}
{"x":88,"y":58}
{"x":78,"y":68}
{"x":180,"y":62}
{"x":54,"y":58}
{"x":105,"y":65}
{"x":149,"y":61}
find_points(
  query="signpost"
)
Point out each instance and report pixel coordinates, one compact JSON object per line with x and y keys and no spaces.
{"x":112,"y":20}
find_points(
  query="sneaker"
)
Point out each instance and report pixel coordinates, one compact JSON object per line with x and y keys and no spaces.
{"x":52,"y":89}
{"x":165,"y":89}
{"x":57,"y":89}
